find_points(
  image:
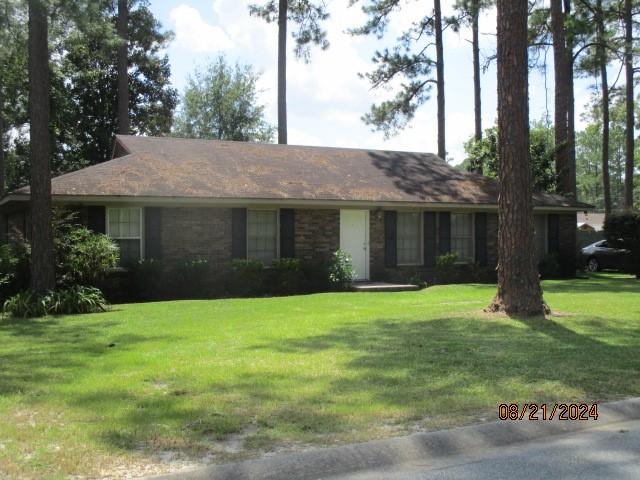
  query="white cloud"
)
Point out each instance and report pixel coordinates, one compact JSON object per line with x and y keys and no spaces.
{"x":326,"y":98}
{"x":193,"y":33}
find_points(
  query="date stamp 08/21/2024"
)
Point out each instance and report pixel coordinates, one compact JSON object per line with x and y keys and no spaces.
{"x":543,"y":411}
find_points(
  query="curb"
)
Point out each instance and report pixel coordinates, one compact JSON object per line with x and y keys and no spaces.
{"x":327,"y":462}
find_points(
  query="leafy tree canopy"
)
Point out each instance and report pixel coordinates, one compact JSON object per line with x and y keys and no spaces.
{"x":307,"y":15}
{"x":589,"y":152}
{"x":541,"y":148}
{"x":221,"y":102}
{"x":84,"y":84}
{"x":407,"y":66}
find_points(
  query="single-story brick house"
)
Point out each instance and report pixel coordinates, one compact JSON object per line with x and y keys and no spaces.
{"x":393,"y":212}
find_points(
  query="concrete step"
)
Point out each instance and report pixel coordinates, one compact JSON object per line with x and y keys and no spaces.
{"x":384,"y":287}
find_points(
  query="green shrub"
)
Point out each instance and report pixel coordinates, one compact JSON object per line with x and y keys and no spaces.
{"x":68,"y":301}
{"x":341,"y":273}
{"x":75,"y":299}
{"x":82,"y":256}
{"x":416,"y":279}
{"x":285,"y":276}
{"x":247,"y":278}
{"x":25,"y":304}
{"x":622,"y":230}
{"x":146,"y":281}
{"x":314,"y":276}
{"x":446,"y":260}
{"x":446,"y":271}
{"x":549,"y":266}
{"x":14,"y":268}
{"x":191,"y":279}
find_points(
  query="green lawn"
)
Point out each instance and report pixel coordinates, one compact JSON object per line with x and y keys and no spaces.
{"x":89,"y":394}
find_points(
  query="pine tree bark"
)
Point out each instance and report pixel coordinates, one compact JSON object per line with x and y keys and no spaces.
{"x":571,"y":107}
{"x":42,"y":267}
{"x":629,"y":159}
{"x":566,"y":182}
{"x":283,"y":8}
{"x":442,"y":150}
{"x":477,"y":99}
{"x":604,"y":86}
{"x":519,"y":292}
{"x":3,"y":168}
{"x":123,"y":62}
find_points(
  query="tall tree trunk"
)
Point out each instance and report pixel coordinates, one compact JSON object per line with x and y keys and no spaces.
{"x":42,"y":268}
{"x":477,"y":99}
{"x":3,"y":168}
{"x":283,"y":8}
{"x":571,"y":108}
{"x":604,"y":85}
{"x":561,"y":66}
{"x":442,"y":151}
{"x":519,"y":292}
{"x":630,"y":104}
{"x":123,"y":61}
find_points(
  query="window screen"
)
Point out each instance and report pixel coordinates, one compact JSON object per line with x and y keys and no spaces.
{"x":262,"y":235}
{"x":462,"y":236}
{"x":409,"y":238}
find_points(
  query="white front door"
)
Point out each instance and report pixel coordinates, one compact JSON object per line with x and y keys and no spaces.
{"x":354,"y":239}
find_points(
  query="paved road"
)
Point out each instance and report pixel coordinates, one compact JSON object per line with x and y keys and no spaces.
{"x":611,"y":451}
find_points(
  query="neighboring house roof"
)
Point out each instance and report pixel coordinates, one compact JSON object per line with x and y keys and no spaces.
{"x":594,"y":220}
{"x":210,"y":169}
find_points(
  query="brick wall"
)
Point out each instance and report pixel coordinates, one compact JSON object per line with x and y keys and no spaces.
{"x":404,"y":273}
{"x":317,"y":234}
{"x":197,"y":234}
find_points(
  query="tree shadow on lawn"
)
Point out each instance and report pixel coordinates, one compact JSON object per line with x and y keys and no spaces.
{"x":462,"y":363}
{"x":49,"y":351}
{"x":596,"y":283}
{"x":394,"y":370}
{"x":387,"y":368}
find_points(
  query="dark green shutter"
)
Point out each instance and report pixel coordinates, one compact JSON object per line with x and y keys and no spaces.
{"x":96,"y":219}
{"x":429,"y":226}
{"x":481,"y":238}
{"x":152,"y":233}
{"x":444,"y":233}
{"x":553,"y":233}
{"x":287,"y":228}
{"x":239,"y":233}
{"x":390,"y":239}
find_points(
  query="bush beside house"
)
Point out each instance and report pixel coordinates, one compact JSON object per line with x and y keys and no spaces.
{"x":82,"y":260}
{"x":622,"y":230}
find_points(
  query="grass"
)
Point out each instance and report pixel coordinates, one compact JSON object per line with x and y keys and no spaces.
{"x":83,"y":395}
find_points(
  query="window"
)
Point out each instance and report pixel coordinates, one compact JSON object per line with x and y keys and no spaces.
{"x":462,"y":236}
{"x":124,"y":226}
{"x":540,"y":225}
{"x":409,"y":238}
{"x":262,"y":235}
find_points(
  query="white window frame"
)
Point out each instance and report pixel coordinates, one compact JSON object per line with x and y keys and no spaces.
{"x":277,"y":212}
{"x":421,"y":241}
{"x":473,"y":236}
{"x":142,"y":232}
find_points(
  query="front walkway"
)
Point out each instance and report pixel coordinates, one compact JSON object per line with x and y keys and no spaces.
{"x":383,"y":287}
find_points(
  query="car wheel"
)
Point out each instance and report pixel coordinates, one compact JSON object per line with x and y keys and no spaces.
{"x":593,"y":265}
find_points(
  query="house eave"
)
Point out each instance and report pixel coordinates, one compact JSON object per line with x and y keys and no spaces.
{"x":289,"y":202}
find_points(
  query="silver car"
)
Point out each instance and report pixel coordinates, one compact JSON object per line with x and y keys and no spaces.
{"x":601,"y":256}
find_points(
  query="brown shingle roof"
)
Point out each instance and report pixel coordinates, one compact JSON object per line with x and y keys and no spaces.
{"x":173,"y":167}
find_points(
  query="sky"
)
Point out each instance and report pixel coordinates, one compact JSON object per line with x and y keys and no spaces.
{"x":326,"y":98}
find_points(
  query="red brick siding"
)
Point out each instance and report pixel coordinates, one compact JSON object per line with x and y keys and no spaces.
{"x":197,"y":234}
{"x":316,"y":233}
